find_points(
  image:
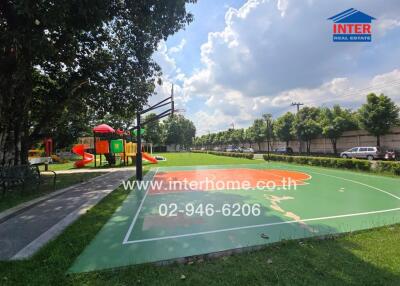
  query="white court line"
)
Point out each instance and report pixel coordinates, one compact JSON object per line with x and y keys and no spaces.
{"x":259,"y":225}
{"x":126,"y":239}
{"x":303,"y":183}
{"x":349,"y":180}
{"x":357,"y":182}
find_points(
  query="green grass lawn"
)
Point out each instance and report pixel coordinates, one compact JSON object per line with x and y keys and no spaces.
{"x":364,"y":258}
{"x":192,"y":159}
{"x":18,"y":196}
{"x":173,"y":159}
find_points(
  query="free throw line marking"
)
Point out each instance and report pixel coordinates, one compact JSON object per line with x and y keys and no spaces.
{"x":259,"y":225}
{"x":126,"y":239}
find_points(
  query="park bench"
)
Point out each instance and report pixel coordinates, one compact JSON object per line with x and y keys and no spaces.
{"x":15,"y":176}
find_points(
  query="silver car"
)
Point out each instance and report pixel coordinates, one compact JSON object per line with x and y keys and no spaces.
{"x":369,"y":153}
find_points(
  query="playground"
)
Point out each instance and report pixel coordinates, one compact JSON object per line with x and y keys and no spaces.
{"x":171,"y":224}
{"x":112,"y":145}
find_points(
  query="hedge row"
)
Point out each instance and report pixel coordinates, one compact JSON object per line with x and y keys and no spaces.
{"x":363,"y":165}
{"x":229,"y":154}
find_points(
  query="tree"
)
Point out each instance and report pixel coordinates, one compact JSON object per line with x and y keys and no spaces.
{"x":240,"y":136}
{"x":258,"y":132}
{"x":153,"y":130}
{"x":378,"y":115}
{"x":306,"y":125}
{"x":283,"y":127}
{"x":98,"y":53}
{"x":334,"y":122}
{"x":188,"y":131}
{"x":180,"y":131}
{"x":269,"y":130}
{"x":249,"y":136}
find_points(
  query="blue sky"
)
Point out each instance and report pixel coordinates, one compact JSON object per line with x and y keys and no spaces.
{"x":240,"y":59}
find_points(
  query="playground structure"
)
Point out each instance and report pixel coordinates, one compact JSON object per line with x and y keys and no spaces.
{"x":42,"y":155}
{"x":110,"y":147}
{"x":111,"y":144}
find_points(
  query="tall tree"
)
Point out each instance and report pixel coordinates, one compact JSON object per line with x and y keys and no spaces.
{"x":269,"y":130}
{"x":180,"y":131}
{"x":249,"y":136}
{"x":153,"y":130}
{"x":283,"y":127}
{"x":306,"y":125}
{"x":378,"y":115}
{"x":96,"y":52}
{"x":334,"y":122}
{"x":258,"y":132}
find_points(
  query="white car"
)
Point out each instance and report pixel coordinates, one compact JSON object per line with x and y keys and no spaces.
{"x":369,"y":153}
{"x":248,"y":150}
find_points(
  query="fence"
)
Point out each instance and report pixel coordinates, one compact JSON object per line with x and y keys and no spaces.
{"x":348,"y":140}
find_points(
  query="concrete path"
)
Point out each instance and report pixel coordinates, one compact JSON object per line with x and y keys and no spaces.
{"x":26,"y":228}
{"x":103,"y":170}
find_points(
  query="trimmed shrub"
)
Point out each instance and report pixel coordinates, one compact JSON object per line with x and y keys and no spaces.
{"x":387,"y":166}
{"x":327,"y":162}
{"x":228,"y":154}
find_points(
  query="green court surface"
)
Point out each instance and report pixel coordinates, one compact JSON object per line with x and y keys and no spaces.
{"x":325,"y":201}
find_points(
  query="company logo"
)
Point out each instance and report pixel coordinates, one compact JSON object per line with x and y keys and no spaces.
{"x":352,"y":26}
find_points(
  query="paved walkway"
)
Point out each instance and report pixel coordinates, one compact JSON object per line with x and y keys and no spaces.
{"x":103,"y":170}
{"x":26,"y":228}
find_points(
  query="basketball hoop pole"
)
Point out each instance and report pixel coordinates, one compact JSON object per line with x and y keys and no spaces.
{"x":167,"y":101}
{"x":139,"y":163}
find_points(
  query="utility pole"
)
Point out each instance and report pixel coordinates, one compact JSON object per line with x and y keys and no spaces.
{"x":298,"y":104}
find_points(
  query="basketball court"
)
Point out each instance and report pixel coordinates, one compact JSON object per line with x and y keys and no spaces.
{"x":182,"y":212}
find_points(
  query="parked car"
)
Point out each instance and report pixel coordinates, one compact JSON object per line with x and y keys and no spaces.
{"x":232,"y":148}
{"x":369,"y":153}
{"x":247,"y":150}
{"x":283,"y":151}
{"x":217,"y":149}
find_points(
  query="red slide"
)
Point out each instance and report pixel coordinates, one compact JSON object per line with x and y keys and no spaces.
{"x":79,"y":149}
{"x":149,"y":158}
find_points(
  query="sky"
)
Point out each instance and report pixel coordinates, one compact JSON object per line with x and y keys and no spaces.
{"x":240,"y":59}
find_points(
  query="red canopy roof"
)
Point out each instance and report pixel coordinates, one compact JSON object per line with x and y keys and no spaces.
{"x":120,"y":131}
{"x":103,"y":128}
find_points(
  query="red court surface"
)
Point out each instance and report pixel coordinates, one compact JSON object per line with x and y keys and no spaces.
{"x":225,"y":179}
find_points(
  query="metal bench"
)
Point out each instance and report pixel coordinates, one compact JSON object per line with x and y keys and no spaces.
{"x":14,"y":176}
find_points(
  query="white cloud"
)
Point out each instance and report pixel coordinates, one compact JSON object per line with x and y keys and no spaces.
{"x":178,"y":48}
{"x":271,"y":53}
{"x":386,"y":24}
{"x":241,"y":110}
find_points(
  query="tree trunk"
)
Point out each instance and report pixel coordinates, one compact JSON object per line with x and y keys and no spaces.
{"x":378,"y":141}
{"x":308,"y":142}
{"x":287,"y":144}
{"x":259,"y":146}
{"x":300,"y":146}
{"x":15,"y":98}
{"x":334,"y":146}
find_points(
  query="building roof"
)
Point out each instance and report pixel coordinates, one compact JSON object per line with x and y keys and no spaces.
{"x":352,"y":16}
